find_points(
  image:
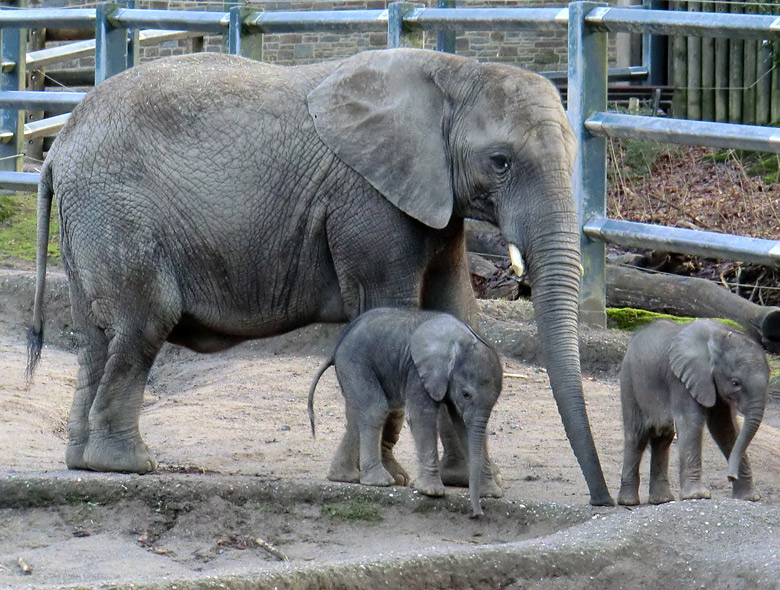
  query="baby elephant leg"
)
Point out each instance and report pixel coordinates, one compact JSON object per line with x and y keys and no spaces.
{"x":345,"y":466}
{"x":689,"y":435}
{"x":390,"y":435}
{"x":634,"y":445}
{"x":422,"y":423}
{"x":660,"y":489}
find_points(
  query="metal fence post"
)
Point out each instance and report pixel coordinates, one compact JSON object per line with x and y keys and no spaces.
{"x":587,"y":93}
{"x":133,"y":42}
{"x":240,"y":42}
{"x":110,"y":44}
{"x":654,"y":50}
{"x":397,"y":34}
{"x":13,"y":51}
{"x":445,"y":40}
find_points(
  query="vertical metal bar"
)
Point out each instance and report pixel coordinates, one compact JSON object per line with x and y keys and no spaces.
{"x":110,"y":44}
{"x":13,"y":49}
{"x":654,"y":50}
{"x":587,"y":93}
{"x":445,"y":40}
{"x":234,"y":32}
{"x":240,"y":42}
{"x":397,"y":36}
{"x":133,"y":44}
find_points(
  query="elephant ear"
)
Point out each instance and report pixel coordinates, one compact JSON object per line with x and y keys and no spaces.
{"x":435,"y":348}
{"x":692,"y":354}
{"x":383,"y":114}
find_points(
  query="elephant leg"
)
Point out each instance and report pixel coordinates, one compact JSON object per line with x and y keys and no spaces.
{"x":92,"y":358}
{"x":660,"y":489}
{"x":689,"y":435}
{"x":115,"y":442}
{"x":724,"y":431}
{"x":634,"y":445}
{"x":367,"y":412}
{"x":345,"y":465}
{"x":454,"y":462}
{"x":490,"y":486}
{"x":422,"y":423}
{"x":390,"y":435}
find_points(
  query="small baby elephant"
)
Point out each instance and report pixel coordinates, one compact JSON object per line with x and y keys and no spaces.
{"x":680,"y":377}
{"x":391,"y":360}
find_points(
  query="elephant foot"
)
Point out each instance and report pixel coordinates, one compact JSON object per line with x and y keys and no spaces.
{"x":394,"y":468}
{"x":695,"y":492}
{"x":74,"y":456}
{"x":661,"y":493}
{"x":376,"y":476}
{"x":743,"y":489}
{"x":429,"y":485}
{"x":628,"y":495}
{"x":454,"y":471}
{"x":103,"y":453}
{"x":343,"y":473}
{"x":490,"y":489}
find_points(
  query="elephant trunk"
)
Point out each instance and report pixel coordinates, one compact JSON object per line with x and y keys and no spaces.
{"x":750,"y":425}
{"x":476,"y":430}
{"x":552,"y":248}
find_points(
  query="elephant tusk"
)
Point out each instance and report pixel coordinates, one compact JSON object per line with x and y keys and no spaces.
{"x":518,"y":265}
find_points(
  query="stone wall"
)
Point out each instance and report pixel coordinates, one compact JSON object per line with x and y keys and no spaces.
{"x":539,"y":51}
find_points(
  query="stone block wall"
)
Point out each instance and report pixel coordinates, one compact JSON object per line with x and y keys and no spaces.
{"x":538,"y":51}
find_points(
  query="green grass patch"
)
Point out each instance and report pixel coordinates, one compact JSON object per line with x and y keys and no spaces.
{"x":18,"y":228}
{"x":353,"y":510}
{"x":627,"y":318}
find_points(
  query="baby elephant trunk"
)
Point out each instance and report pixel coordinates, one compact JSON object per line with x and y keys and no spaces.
{"x":752,"y":421}
{"x":476,"y":460}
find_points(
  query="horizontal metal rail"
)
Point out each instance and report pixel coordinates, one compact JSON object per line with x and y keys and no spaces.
{"x":36,"y":18}
{"x":488,"y":19}
{"x":19,"y":181}
{"x":707,"y":244}
{"x":25,"y":100}
{"x":683,"y":131}
{"x":70,"y":51}
{"x":318,"y":21}
{"x":678,"y":22}
{"x":47,"y":127}
{"x":186,"y":20}
{"x":614,"y":74}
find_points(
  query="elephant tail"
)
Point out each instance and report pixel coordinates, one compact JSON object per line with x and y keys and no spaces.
{"x":323,"y":367}
{"x":35,"y":333}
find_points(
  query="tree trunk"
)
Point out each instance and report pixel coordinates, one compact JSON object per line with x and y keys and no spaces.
{"x":687,"y":296}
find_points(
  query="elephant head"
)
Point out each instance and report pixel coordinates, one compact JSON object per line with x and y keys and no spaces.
{"x":442,"y":136}
{"x":460,"y":369}
{"x":713,"y":360}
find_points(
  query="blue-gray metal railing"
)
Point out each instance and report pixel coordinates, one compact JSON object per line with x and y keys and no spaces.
{"x":587,"y":24}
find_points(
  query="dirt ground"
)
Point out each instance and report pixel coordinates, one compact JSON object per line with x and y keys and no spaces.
{"x":238,"y":420}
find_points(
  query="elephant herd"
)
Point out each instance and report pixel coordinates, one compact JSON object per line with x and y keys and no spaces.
{"x":207,"y":199}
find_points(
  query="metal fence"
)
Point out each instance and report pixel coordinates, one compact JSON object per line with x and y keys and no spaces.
{"x":588,"y":24}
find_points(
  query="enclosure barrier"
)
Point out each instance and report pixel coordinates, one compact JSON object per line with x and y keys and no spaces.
{"x":588,"y":24}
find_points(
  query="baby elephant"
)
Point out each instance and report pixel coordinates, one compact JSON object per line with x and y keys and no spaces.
{"x":391,"y":360}
{"x":683,"y":376}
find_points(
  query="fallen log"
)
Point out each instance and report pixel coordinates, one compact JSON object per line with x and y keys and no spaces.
{"x":687,"y":296}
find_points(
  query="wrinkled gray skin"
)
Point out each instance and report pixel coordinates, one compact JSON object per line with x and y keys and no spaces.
{"x":683,"y":377}
{"x":208,"y":199}
{"x":391,"y":361}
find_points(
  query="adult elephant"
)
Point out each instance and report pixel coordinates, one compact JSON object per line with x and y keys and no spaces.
{"x":209,"y":199}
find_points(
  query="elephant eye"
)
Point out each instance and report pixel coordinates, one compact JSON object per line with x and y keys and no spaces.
{"x":736,"y":383}
{"x":501,"y":162}
{"x":466,"y":395}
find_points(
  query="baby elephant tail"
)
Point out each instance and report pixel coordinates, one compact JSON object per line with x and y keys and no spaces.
{"x":323,"y":367}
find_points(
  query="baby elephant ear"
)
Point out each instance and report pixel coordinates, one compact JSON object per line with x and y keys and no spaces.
{"x":691,"y":357}
{"x":383,"y":115}
{"x":435,"y":347}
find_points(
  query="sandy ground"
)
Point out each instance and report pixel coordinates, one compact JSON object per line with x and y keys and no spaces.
{"x":241,"y":414}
